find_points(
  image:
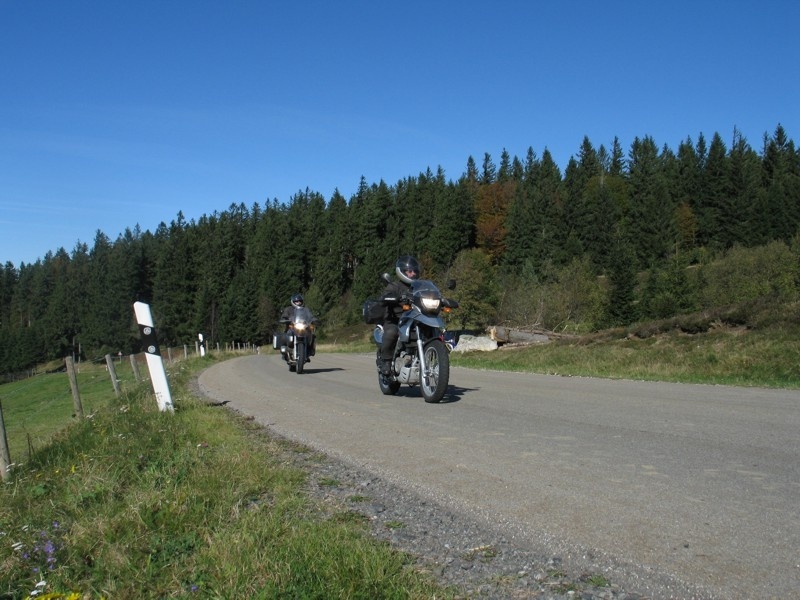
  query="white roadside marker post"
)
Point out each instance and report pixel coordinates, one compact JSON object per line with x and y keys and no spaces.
{"x":158,"y":376}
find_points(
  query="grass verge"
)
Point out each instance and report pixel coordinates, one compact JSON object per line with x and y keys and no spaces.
{"x":134,"y":503}
{"x":768,"y":357}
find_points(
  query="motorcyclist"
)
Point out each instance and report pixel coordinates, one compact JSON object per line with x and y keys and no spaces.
{"x":296,"y":302}
{"x":407,"y":269}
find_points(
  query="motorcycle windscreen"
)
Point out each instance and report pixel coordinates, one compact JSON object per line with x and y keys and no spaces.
{"x":419,"y":285}
{"x":302,"y":314}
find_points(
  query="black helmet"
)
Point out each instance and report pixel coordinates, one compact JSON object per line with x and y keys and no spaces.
{"x":297,"y":300}
{"x":407,"y":268}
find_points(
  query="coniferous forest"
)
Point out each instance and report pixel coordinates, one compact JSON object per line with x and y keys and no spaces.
{"x":619,"y":235}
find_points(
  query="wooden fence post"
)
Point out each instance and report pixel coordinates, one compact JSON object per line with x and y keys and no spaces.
{"x":113,"y":372}
{"x":5,"y":457}
{"x":73,"y":384}
{"x":135,"y":367}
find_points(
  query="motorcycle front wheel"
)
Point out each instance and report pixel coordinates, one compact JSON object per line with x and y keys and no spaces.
{"x":434,"y":381}
{"x":301,"y":356}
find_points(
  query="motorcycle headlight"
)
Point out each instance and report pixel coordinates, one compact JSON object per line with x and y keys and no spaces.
{"x":300,"y":325}
{"x":430,"y":305}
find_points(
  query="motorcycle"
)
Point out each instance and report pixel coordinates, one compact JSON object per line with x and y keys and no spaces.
{"x":297,"y":343}
{"x":420,"y":356}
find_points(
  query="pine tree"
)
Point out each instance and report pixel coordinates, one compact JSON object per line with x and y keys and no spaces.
{"x":622,"y":283}
{"x":738,"y":220}
{"x":652,"y":210}
{"x":716,"y":192}
{"x":330,"y":272}
{"x":489,"y":173}
{"x":174,"y":283}
{"x":504,"y":174}
{"x":781,"y":182}
{"x":687,"y":193}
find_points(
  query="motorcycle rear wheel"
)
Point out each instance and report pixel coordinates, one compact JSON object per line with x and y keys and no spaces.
{"x":388,"y":386}
{"x":433,"y":383}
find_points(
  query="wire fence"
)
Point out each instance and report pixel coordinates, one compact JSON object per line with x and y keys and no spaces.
{"x":132,"y":366}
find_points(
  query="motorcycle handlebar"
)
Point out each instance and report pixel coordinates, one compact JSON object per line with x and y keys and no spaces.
{"x":450,"y":303}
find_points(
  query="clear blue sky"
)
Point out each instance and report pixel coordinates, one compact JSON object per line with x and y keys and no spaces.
{"x":116,"y":113}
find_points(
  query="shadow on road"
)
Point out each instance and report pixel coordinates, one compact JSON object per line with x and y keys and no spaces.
{"x":453,"y":394}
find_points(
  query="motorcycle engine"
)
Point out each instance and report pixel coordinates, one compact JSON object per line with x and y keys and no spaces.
{"x":407,"y":370}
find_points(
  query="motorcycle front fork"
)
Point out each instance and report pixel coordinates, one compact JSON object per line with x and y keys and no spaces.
{"x":420,"y":354}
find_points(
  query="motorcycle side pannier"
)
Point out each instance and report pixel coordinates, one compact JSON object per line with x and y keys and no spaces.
{"x":373,"y":311}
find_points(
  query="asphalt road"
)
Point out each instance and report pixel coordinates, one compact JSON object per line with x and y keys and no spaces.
{"x":669,"y":487}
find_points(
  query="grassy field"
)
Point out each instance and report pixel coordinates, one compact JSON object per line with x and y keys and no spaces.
{"x":43,"y":404}
{"x":132,"y":503}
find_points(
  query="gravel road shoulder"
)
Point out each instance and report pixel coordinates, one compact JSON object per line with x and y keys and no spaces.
{"x":457,"y":549}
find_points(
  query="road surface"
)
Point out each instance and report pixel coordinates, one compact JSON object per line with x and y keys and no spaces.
{"x":676,"y":489}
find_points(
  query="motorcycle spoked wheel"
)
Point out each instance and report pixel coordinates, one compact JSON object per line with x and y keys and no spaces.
{"x":433,"y":383}
{"x":301,"y":357}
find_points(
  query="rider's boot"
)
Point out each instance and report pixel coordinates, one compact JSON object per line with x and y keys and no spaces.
{"x":386,"y":366}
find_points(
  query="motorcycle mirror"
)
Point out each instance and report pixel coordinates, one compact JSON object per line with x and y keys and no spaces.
{"x":451,"y":284}
{"x":386,"y":278}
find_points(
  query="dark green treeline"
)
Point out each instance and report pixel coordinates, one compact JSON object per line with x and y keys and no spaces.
{"x":228,"y":274}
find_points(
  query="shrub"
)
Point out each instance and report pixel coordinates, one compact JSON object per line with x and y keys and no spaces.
{"x":747,"y":274}
{"x":477,"y":291}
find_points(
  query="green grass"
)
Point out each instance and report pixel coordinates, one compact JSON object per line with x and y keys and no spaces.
{"x":43,"y":404}
{"x":767,"y":357}
{"x":134,"y":503}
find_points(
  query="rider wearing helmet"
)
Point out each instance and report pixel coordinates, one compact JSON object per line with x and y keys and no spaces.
{"x":296,"y":302}
{"x":407,"y":269}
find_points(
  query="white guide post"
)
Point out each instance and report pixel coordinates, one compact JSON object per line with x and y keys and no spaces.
{"x":158,"y":376}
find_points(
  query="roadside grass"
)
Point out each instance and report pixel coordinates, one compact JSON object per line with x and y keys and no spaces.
{"x":133,"y":503}
{"x":353,"y":338}
{"x":763,"y":357}
{"x":43,"y":404}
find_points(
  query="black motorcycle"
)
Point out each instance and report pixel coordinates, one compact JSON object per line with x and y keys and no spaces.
{"x":297,"y":343}
{"x":420,"y":356}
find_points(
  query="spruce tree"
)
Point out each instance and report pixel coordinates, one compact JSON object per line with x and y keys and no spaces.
{"x":622,"y":283}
